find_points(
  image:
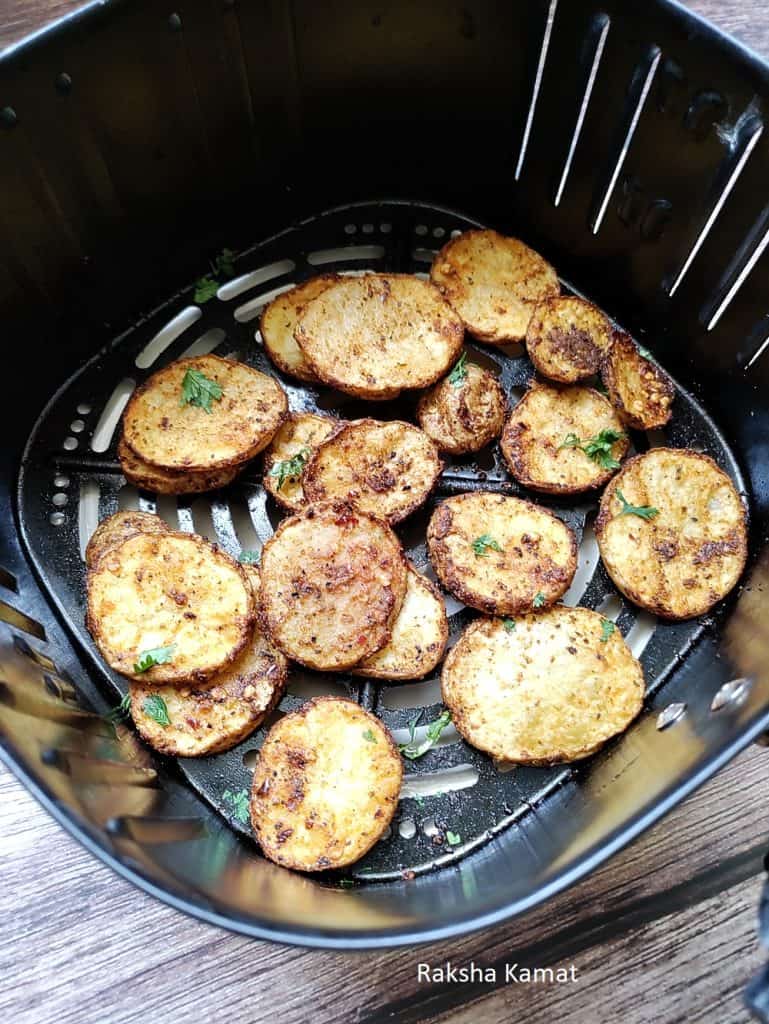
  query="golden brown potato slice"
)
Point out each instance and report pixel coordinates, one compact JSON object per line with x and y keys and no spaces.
{"x":288,"y":453}
{"x":240,"y":409}
{"x":169,"y":608}
{"x":160,"y":481}
{"x":279,"y":321}
{"x":112,"y":531}
{"x":494,"y":283}
{"x":374,"y":335}
{"x":333,"y":582}
{"x":542,"y":688}
{"x":464,"y":411}
{"x":387,"y":469}
{"x":501,"y":555}
{"x":568,"y":338}
{"x":326,"y":786}
{"x":563,"y":440}
{"x":639,"y":390}
{"x":672,"y":532}
{"x":418,"y":638}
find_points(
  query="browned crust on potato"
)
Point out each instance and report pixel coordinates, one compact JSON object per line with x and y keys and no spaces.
{"x":292,"y":437}
{"x":464,"y":418}
{"x":638,"y":389}
{"x":279,"y":319}
{"x":567,"y":338}
{"x":160,"y":481}
{"x":112,"y":531}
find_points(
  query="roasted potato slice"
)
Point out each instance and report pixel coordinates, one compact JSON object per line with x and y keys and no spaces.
{"x":563,"y":440}
{"x":287,"y":455}
{"x":638,"y":389}
{"x":543,"y":688}
{"x":112,"y":531}
{"x":177,"y":435}
{"x":464,"y":411}
{"x":173,"y":594}
{"x":387,"y":469}
{"x":419,"y":635}
{"x":333,"y":582}
{"x":160,"y":481}
{"x":567,"y":338}
{"x":326,"y":785}
{"x":374,"y":335}
{"x":278,"y":323}
{"x":501,"y":555}
{"x":494,"y":283}
{"x":672,"y":532}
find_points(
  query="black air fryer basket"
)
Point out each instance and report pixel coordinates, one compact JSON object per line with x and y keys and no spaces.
{"x":625,"y":141}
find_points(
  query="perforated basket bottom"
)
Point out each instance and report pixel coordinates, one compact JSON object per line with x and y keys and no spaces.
{"x":71,"y":479}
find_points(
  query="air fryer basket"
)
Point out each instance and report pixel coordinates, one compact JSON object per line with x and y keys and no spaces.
{"x":626,"y":144}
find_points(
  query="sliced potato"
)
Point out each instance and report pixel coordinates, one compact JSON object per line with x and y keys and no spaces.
{"x":288,"y":453}
{"x":164,"y":432}
{"x":680,"y":561}
{"x":170,"y":590}
{"x":463,"y":415}
{"x":279,"y":321}
{"x":551,"y":686}
{"x":112,"y":531}
{"x":419,"y":635}
{"x":374,"y":335}
{"x":567,"y":338}
{"x":494,"y":283}
{"x":326,"y":786}
{"x":387,"y":469}
{"x":501,"y":554}
{"x":544,"y":439}
{"x":639,"y":390}
{"x":160,"y":481}
{"x":333,"y":582}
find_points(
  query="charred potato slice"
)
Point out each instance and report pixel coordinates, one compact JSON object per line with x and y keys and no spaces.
{"x":567,"y":338}
{"x":639,"y":390}
{"x":494,"y":283}
{"x":672,"y":532}
{"x":112,"y":531}
{"x":544,"y":688}
{"x":160,"y":481}
{"x":185,"y":437}
{"x":173,"y":593}
{"x":499,"y":554}
{"x":333,"y":582}
{"x":387,"y":469}
{"x":563,"y":440}
{"x":287,"y":455}
{"x":465,"y":413}
{"x":325,"y":787}
{"x":279,"y":321}
{"x":418,"y":638}
{"x":374,"y":335}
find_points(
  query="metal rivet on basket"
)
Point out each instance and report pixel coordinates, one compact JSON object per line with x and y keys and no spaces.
{"x":84,"y":409}
{"x":61,"y":481}
{"x":670,"y":714}
{"x":56,"y":518}
{"x":76,"y":426}
{"x":70,"y":443}
{"x":734,"y":692}
{"x":407,"y":828}
{"x":63,"y":84}
{"x":60,"y":499}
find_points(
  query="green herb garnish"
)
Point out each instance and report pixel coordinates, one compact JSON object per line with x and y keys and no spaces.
{"x":369,"y":736}
{"x":155,"y":707}
{"x":453,"y":838}
{"x":239,"y":804}
{"x":207,"y":286}
{"x":642,"y":511}
{"x":607,"y":628}
{"x":509,"y":625}
{"x":458,"y":375}
{"x":290,"y":469}
{"x":412,"y":750}
{"x":199,"y":390}
{"x":539,"y":599}
{"x":484,"y":543}
{"x":154,"y":656}
{"x":250,"y":557}
{"x":597,"y":448}
{"x":118,"y":713}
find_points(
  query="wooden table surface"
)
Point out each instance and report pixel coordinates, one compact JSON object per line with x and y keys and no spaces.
{"x":664,"y":933}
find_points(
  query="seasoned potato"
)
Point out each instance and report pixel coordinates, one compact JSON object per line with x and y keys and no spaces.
{"x":672,"y":533}
{"x":374,"y":335}
{"x":418,"y":638}
{"x":172,"y":593}
{"x":287,"y":455}
{"x":160,"y":481}
{"x":567,"y":338}
{"x":279,"y":321}
{"x":387,"y":469}
{"x":333,"y":582}
{"x":326,"y":786}
{"x":112,"y":531}
{"x":639,"y":390}
{"x":165,"y":431}
{"x":494,"y":283}
{"x":464,"y":414}
{"x":545,"y":439}
{"x":546,"y":687}
{"x":499,"y":554}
